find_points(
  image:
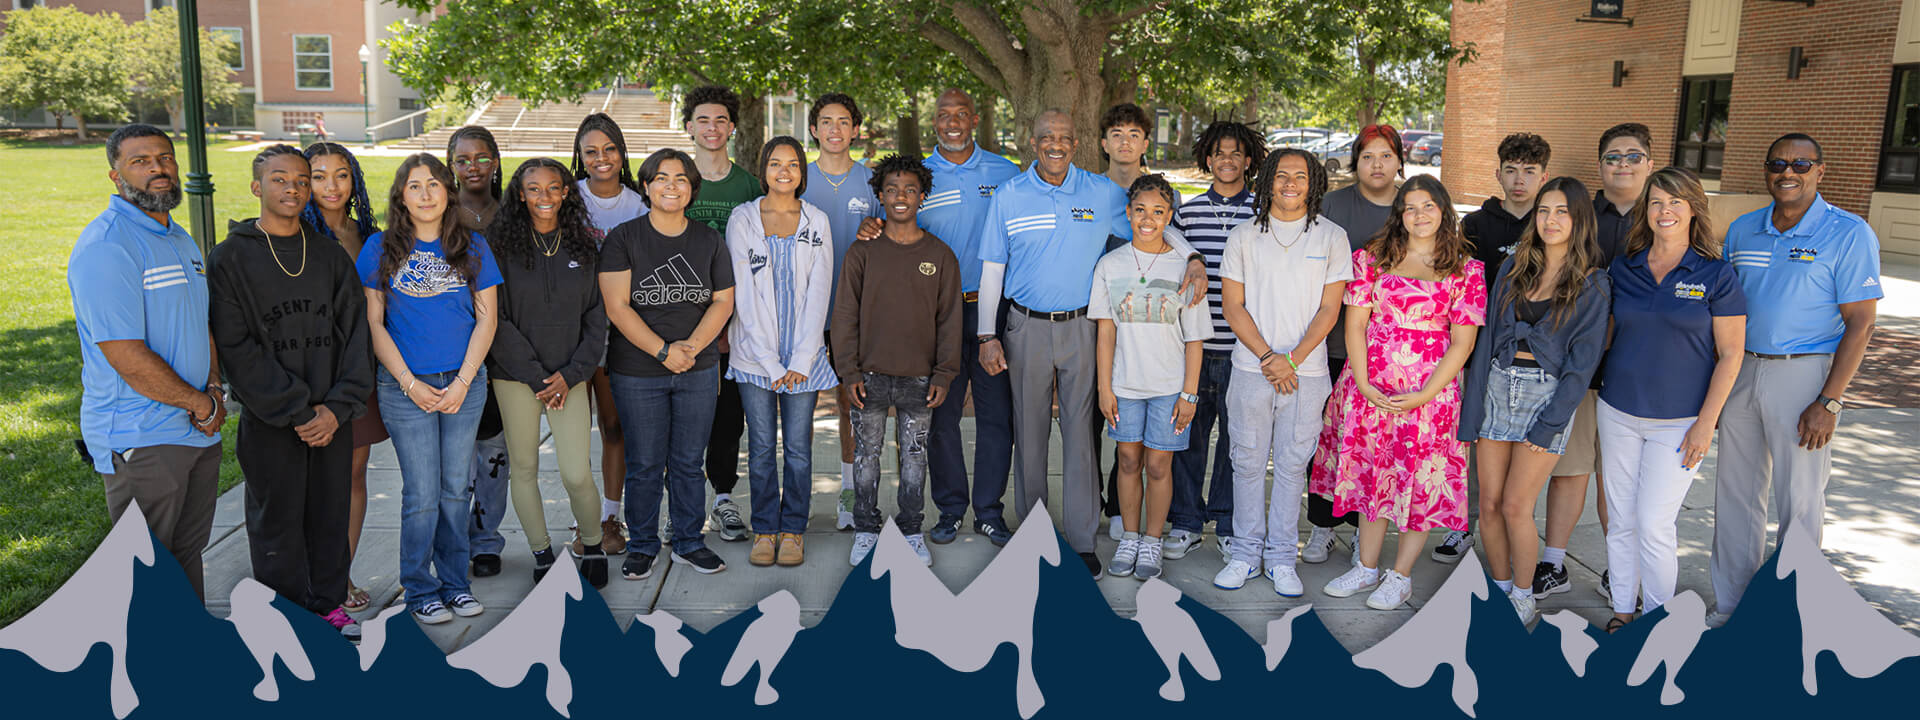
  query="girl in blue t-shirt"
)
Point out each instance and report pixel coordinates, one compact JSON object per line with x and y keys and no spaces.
{"x":431,"y":305}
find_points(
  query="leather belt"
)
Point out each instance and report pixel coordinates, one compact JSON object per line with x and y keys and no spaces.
{"x":1789,"y":356}
{"x":1060,"y":316}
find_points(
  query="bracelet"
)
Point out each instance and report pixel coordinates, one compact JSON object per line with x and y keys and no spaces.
{"x":408,"y":390}
{"x":1289,"y":357}
{"x":463,"y":381}
{"x":1263,"y":358}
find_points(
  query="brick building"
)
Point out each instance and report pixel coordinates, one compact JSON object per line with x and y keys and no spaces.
{"x":298,"y":62}
{"x":1711,"y":78}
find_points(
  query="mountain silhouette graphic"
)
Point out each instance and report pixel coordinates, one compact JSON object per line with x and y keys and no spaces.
{"x":1030,"y":637}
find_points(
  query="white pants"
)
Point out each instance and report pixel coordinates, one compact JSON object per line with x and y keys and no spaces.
{"x":1645,"y":486}
{"x":1284,"y":428}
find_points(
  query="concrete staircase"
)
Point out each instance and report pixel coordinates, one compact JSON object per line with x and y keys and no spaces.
{"x":645,"y":119}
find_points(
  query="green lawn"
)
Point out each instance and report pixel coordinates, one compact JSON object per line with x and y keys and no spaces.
{"x":52,"y":506}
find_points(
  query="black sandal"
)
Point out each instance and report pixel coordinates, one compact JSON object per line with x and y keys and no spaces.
{"x":1615,"y":624}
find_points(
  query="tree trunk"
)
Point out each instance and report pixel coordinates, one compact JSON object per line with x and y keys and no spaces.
{"x":987,"y":133}
{"x":907,"y":128}
{"x":80,"y":125}
{"x":1187,"y":122}
{"x":751,"y":131}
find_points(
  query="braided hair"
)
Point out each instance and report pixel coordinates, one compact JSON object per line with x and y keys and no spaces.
{"x":1249,"y":141}
{"x":1263,"y":193}
{"x":271,"y":152}
{"x":606,"y":126}
{"x":359,"y":207}
{"x":493,"y":148}
{"x":511,"y":234}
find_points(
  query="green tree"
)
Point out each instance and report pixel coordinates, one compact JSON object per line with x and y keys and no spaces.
{"x":1393,"y":58}
{"x":152,"y":53}
{"x":66,"y":61}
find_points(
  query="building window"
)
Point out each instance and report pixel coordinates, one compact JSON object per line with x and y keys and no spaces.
{"x":294,"y":122}
{"x":1702,"y":139}
{"x":27,"y":4}
{"x":237,"y":61}
{"x":313,"y":62}
{"x":153,"y":5}
{"x":1900,"y":149}
{"x":410,"y":104}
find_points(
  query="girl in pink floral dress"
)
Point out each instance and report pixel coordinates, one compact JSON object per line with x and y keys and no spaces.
{"x":1388,"y":448}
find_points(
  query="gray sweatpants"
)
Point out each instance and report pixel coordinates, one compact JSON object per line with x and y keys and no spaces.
{"x":1759,"y":430}
{"x":1045,"y":357}
{"x":1283,"y":428}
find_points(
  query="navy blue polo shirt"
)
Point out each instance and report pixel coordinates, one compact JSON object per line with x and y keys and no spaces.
{"x":1663,"y":354}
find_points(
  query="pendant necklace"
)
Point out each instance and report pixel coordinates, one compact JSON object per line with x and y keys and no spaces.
{"x":1149,"y":267}
{"x":276,"y":254}
{"x":541,"y":242}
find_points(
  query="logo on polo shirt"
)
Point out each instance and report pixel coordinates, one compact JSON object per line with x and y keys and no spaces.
{"x":1082,"y":214}
{"x":1871,"y":282}
{"x":857,"y":206}
{"x":1803,"y":255}
{"x":986,"y":191}
{"x":199,"y":269}
{"x":1690,"y":291}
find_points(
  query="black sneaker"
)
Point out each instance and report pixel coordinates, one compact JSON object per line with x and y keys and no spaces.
{"x":1550,"y":580}
{"x":637,"y":567}
{"x":593,"y":564}
{"x":1454,"y":546}
{"x":1093,"y":563}
{"x":486,"y":565}
{"x":944,"y":531}
{"x":996,"y":532}
{"x":542,"y":562}
{"x":702,"y":561}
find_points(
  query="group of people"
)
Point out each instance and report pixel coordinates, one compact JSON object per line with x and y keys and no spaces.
{"x":1387,"y":359}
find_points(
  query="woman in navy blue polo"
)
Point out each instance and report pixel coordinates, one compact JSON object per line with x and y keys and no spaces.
{"x":1679,"y":326}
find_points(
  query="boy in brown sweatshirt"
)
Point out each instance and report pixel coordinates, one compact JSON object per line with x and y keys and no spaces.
{"x":896,"y":344}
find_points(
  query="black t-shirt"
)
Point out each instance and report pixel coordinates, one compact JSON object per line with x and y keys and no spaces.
{"x":673,"y":282}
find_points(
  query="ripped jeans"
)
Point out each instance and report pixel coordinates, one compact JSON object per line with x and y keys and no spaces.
{"x":908,"y":398}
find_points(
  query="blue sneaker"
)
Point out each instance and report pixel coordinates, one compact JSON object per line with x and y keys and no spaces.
{"x":944,"y":531}
{"x":996,"y":532}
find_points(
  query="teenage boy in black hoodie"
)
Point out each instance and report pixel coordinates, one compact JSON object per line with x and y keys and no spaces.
{"x":1494,"y":230}
{"x":290,"y":322}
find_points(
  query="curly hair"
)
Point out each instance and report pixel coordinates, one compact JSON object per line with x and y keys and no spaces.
{"x":493,"y":148}
{"x":841,"y":99}
{"x":909,"y":164}
{"x":271,"y":152}
{"x":1153,"y":182}
{"x":359,"y":207}
{"x":606,"y":126}
{"x":511,"y":234}
{"x":456,"y":239}
{"x":766,"y":156}
{"x":1248,"y":140}
{"x":1450,"y":249}
{"x":1683,"y":184}
{"x":1263,"y":192}
{"x":710,"y":95}
{"x":1529,"y":265}
{"x":1526,"y":149}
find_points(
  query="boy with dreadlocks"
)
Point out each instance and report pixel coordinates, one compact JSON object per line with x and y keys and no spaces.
{"x":289,"y":322}
{"x":1282,"y":280}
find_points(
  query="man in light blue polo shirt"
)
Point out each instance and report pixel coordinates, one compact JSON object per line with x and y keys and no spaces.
{"x":150,"y":406}
{"x":1811,"y":273}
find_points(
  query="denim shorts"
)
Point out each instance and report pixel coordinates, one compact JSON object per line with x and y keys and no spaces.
{"x":1515,"y":396}
{"x":1149,"y":421}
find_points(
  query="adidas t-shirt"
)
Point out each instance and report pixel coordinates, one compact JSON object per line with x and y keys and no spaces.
{"x":673,"y":282}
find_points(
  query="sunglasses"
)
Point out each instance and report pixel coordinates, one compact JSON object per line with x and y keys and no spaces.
{"x":1617,"y":159}
{"x":1801,"y":166}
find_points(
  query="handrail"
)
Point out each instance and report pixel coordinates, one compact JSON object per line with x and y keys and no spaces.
{"x":405,"y":117}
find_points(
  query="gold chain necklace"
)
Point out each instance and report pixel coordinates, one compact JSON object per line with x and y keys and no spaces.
{"x":276,"y":255}
{"x":540,"y":243}
{"x":829,"y":178}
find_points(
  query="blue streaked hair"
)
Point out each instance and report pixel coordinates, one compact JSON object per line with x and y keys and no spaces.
{"x":358,"y":207}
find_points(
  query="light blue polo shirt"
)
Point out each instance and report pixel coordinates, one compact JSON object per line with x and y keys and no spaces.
{"x":1050,"y":237}
{"x":957,"y":205}
{"x":135,"y":279}
{"x":1797,"y":280}
{"x":847,"y":200}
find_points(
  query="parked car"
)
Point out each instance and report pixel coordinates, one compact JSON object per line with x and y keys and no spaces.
{"x":1334,"y":152}
{"x":1426,"y":151}
{"x":1409,"y":137}
{"x":1294,"y":137}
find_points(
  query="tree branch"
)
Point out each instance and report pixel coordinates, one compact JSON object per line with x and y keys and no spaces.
{"x":992,"y":40}
{"x":970,"y":56}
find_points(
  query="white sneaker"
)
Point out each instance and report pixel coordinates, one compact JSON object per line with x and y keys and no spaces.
{"x":1124,"y":557}
{"x":1357,"y":579}
{"x":862,"y":545}
{"x":1392,"y":593}
{"x":1225,"y":544}
{"x":1115,"y":529}
{"x":1524,"y":606}
{"x":918,"y":542}
{"x":843,"y":515}
{"x":1235,"y":575}
{"x":1178,"y":543}
{"x":1286,"y":582}
{"x":1146,"y":566}
{"x":1716,"y":619}
{"x":1319,"y":546}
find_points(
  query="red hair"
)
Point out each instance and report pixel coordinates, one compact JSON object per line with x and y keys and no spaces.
{"x":1383,"y":132}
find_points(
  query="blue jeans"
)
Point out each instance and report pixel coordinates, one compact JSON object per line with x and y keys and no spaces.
{"x":435,"y":451}
{"x":666,"y":421}
{"x":908,"y":398}
{"x":780,"y":501}
{"x":1190,"y":465}
{"x":992,"y":434}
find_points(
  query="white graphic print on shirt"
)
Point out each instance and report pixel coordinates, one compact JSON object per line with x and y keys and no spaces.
{"x":426,"y":275}
{"x":673,"y":282}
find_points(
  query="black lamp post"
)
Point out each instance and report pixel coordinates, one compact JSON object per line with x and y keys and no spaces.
{"x":199,"y":185}
{"x":366,"y":98}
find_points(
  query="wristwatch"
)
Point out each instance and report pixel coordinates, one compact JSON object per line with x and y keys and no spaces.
{"x":1832,"y":406}
{"x":662,"y":355}
{"x":984,"y":339}
{"x":1190,"y":397}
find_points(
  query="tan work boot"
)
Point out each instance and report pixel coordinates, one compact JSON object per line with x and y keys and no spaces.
{"x":613,"y":536}
{"x":792,"y":549}
{"x":762,"y":553}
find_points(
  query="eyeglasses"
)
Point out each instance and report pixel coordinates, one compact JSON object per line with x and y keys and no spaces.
{"x":1617,"y":159}
{"x":1801,"y":166}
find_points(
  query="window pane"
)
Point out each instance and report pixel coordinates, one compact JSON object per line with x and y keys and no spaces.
{"x":1906,"y":109}
{"x":312,"y":43}
{"x":1901,"y":168}
{"x":311,"y":80}
{"x":1693,"y":119}
{"x":1712,"y":165}
{"x":1690,"y":158}
{"x":312,"y":62}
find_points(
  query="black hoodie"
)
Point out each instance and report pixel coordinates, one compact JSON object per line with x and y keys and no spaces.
{"x":551,"y":320}
{"x":1493,"y":232}
{"x":289,"y":343}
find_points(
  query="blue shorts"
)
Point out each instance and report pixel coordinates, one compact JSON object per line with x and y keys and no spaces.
{"x":1515,"y":396}
{"x":1149,"y":421}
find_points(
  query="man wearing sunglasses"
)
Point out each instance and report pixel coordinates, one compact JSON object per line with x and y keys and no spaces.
{"x":1811,"y":272}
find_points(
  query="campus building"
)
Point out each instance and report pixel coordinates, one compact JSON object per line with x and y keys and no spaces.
{"x":298,"y":64}
{"x":1715,"y":80}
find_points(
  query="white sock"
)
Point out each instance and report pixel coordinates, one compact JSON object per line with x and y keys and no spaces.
{"x":609,"y":508}
{"x":1522,"y":593}
{"x":1506,"y":586}
{"x":1557,"y":556}
{"x":1130,"y":536}
{"x":722,"y":497}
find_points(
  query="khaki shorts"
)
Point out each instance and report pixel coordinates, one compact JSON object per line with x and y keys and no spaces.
{"x":1583,"y":440}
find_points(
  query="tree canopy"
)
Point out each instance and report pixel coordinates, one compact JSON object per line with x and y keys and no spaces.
{"x":153,"y":64}
{"x":65,"y":61}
